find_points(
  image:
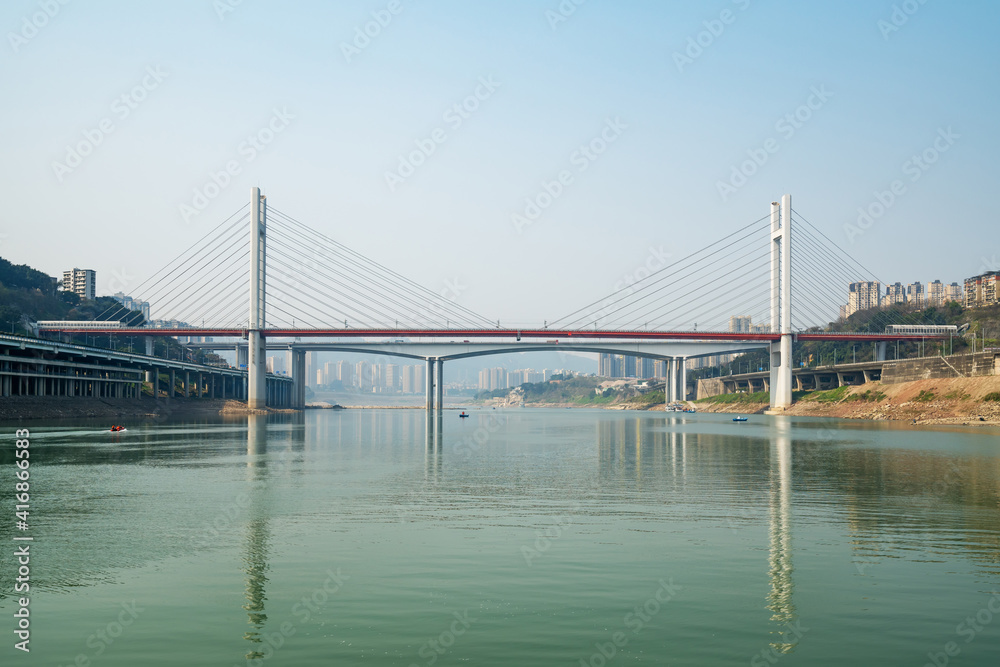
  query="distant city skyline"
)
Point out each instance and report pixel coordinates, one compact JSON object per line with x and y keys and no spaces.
{"x":864,"y":295}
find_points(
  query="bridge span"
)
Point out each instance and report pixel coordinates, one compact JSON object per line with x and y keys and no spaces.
{"x":359,"y":290}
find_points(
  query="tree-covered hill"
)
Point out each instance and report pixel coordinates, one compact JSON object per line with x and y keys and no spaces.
{"x":27,"y":294}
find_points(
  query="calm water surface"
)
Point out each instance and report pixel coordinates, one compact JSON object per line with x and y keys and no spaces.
{"x":521,"y":537}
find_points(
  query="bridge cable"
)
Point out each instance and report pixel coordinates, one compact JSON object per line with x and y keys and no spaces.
{"x":630,"y":289}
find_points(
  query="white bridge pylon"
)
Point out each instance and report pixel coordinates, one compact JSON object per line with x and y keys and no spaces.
{"x":781,"y":303}
{"x":435,"y":354}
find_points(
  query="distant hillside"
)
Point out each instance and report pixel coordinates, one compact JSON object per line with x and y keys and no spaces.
{"x":27,"y":294}
{"x":22,"y":276}
{"x":983,"y":323}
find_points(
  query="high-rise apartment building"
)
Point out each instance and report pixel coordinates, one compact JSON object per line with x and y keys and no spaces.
{"x":345,"y":373}
{"x":393,"y":379}
{"x":82,"y":282}
{"x":363,"y":373}
{"x":894,"y":293}
{"x":915,"y":295}
{"x":740,"y":324}
{"x":935,"y":293}
{"x":982,"y":290}
{"x":862,"y":296}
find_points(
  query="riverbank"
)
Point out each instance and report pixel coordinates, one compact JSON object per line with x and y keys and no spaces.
{"x":973,"y":400}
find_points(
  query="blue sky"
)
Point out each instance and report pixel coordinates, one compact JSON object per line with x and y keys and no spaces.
{"x":220,"y":76}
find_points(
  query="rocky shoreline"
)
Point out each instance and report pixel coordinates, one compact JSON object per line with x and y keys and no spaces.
{"x":938,"y":401}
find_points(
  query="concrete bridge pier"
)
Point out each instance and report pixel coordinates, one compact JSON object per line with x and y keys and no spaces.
{"x":431,"y":363}
{"x":149,"y":353}
{"x":684,"y":379}
{"x":298,"y":369}
{"x":670,"y":390}
{"x":880,"y":349}
{"x":440,"y":385}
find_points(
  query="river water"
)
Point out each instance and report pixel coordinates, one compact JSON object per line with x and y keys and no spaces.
{"x":519,"y":537}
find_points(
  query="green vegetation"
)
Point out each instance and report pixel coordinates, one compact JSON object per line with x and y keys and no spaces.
{"x":992,"y":396}
{"x":869,"y":396}
{"x":22,"y":276}
{"x":957,"y":395}
{"x":29,"y":294}
{"x":726,"y":399}
{"x":578,"y":390}
{"x":924,"y":396}
{"x":828,"y":395}
{"x":647,"y":399}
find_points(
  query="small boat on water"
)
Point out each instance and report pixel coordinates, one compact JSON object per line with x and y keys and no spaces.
{"x":463,"y":415}
{"x":117,"y":429}
{"x":739,"y":419}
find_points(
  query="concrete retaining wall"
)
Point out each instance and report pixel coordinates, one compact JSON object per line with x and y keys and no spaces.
{"x":709,"y":387}
{"x":928,"y":368}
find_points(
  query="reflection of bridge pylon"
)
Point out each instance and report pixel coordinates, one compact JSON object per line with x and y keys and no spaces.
{"x":258,"y":534}
{"x":779,"y":599}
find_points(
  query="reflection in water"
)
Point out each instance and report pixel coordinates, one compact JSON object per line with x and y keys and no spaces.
{"x":652,"y":495}
{"x":643,"y":450}
{"x":432,"y":447}
{"x":257,"y":534}
{"x":780,"y":518}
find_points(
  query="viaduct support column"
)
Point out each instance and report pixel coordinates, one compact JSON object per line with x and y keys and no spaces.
{"x":684,"y":379}
{"x":880,"y":351}
{"x":257,"y":362}
{"x":430,"y":384}
{"x":669,"y":390}
{"x":149,"y":353}
{"x":440,"y":385}
{"x":298,"y":368}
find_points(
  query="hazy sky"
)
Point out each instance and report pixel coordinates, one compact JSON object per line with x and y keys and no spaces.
{"x":182,"y":85}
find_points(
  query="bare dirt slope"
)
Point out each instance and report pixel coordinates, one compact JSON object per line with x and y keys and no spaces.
{"x":957,"y":400}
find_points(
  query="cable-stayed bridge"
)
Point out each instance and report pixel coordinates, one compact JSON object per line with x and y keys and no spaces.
{"x":308,"y":292}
